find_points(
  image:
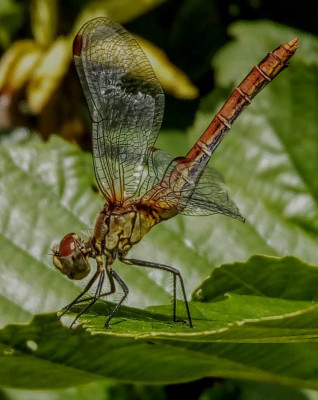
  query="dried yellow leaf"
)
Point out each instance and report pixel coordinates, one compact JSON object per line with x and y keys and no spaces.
{"x":48,"y":75}
{"x":171,"y":77}
{"x":17,"y":65}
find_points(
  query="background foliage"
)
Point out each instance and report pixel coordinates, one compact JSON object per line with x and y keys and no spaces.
{"x":254,"y":285}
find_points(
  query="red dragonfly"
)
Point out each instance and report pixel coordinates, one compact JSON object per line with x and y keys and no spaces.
{"x":143,"y":185}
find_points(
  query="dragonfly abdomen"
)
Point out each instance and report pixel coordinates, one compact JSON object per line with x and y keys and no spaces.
{"x":255,"y":81}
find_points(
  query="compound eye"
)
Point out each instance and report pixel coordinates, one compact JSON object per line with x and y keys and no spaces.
{"x":68,"y":245}
{"x":69,"y":258}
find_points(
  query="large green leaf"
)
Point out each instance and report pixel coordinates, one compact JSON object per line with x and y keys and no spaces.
{"x":266,"y":299}
{"x":250,"y":337}
{"x":284,"y":278}
{"x":270,"y":337}
{"x":37,"y":203}
{"x":48,"y":190}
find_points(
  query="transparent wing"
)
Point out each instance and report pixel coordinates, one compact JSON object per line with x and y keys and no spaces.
{"x":210,"y":195}
{"x":126,"y":104}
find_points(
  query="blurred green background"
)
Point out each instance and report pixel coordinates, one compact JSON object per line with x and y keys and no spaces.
{"x":200,"y":50}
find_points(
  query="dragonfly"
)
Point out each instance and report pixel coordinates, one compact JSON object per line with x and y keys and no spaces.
{"x":143,"y":185}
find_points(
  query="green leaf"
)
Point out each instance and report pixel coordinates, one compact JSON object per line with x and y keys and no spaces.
{"x":11,"y":17}
{"x":248,"y":319}
{"x":248,"y":337}
{"x":280,"y":278}
{"x":49,"y":190}
{"x":37,"y":203}
{"x":262,"y":338}
{"x":99,"y":390}
{"x":95,"y":390}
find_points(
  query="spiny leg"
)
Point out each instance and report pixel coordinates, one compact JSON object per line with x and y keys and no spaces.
{"x":123,"y":285}
{"x":176,"y":273}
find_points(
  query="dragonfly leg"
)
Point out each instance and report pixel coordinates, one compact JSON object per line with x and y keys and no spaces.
{"x":111,"y":290}
{"x":112,"y":276}
{"x":176,"y":273}
{"x":95,"y":298}
{"x":123,"y":285}
{"x":87,"y":287}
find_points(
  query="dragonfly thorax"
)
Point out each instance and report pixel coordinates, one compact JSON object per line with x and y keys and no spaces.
{"x":116,"y":231}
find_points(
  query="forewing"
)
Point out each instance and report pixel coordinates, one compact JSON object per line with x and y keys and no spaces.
{"x":126,"y":104}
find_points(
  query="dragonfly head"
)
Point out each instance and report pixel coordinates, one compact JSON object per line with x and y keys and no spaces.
{"x":70,"y":257}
